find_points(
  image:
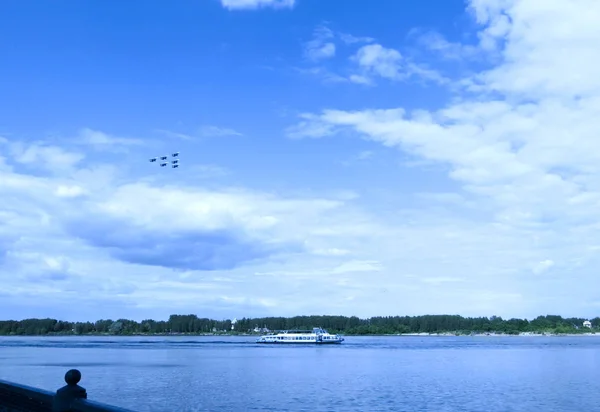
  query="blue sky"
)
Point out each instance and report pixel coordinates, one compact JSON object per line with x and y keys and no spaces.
{"x":336,"y":158}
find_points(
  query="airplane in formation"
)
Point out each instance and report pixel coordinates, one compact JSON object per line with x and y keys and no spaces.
{"x":164,"y":160}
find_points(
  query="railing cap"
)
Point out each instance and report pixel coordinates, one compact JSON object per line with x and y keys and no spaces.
{"x":72,"y":377}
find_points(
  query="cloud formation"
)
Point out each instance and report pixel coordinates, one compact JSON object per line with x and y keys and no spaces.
{"x":481,"y":202}
{"x":368,"y":62}
{"x":519,"y":139}
{"x":104,"y":234}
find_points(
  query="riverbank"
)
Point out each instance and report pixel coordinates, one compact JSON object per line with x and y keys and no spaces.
{"x":538,"y":334}
{"x":227,"y":335}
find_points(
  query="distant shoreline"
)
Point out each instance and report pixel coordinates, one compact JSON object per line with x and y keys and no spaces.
{"x":425,"y":325}
{"x":492,"y":334}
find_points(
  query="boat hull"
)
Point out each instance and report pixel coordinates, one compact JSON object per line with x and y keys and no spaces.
{"x":274,"y":342}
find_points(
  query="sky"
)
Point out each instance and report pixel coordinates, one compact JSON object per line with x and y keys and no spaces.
{"x":365,"y":158}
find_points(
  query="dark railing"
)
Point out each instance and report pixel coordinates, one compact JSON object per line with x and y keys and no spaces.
{"x":15,"y":397}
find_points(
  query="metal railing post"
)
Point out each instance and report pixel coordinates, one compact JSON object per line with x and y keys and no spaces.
{"x":65,"y":396}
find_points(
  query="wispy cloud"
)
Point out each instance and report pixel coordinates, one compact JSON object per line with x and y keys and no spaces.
{"x":257,"y":4}
{"x":359,"y":266}
{"x":374,"y":60}
{"x":174,"y":135}
{"x":41,"y":155}
{"x":543,"y":266}
{"x":368,"y":63}
{"x":205,"y":131}
{"x":441,"y":279}
{"x":435,"y":42}
{"x":103,"y":140}
{"x":350,"y":39}
{"x":324,"y":74}
{"x":321,"y":46}
{"x":216,"y":131}
{"x":207,"y":171}
{"x":360,"y":157}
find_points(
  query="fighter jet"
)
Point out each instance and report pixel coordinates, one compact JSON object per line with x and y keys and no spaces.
{"x":164,"y":160}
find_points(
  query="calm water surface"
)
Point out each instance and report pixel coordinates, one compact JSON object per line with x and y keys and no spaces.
{"x":363,"y":374}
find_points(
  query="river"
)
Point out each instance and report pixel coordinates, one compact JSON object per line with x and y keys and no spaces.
{"x":365,"y":374}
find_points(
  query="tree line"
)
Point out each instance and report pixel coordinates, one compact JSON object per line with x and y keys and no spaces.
{"x":192,"y":324}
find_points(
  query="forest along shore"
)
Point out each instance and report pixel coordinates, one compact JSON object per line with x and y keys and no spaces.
{"x":534,"y":334}
{"x":428,"y":325}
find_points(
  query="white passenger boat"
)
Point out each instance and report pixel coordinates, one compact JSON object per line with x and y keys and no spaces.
{"x":317,"y":336}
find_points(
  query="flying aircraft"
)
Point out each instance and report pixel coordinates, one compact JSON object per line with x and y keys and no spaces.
{"x":164,"y":162}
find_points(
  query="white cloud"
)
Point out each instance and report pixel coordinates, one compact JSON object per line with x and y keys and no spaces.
{"x":102,"y":140}
{"x":323,"y":51}
{"x":331,"y":252}
{"x":534,"y":56}
{"x":522,"y":144}
{"x":256,"y":4}
{"x":176,"y":135}
{"x":309,"y":128}
{"x":361,"y":157}
{"x":543,"y":266}
{"x":374,"y":60}
{"x":216,"y":131}
{"x":359,"y":266}
{"x":44,"y":156}
{"x":321,"y":46}
{"x":365,"y":154}
{"x":206,"y":171}
{"x":350,"y":39}
{"x":449,"y":50}
{"x":99,"y":235}
{"x":59,"y":263}
{"x":69,"y":191}
{"x":370,"y":61}
{"x":380,"y":60}
{"x":326,"y":75}
{"x":205,"y":131}
{"x":359,"y":79}
{"x":441,"y":279}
